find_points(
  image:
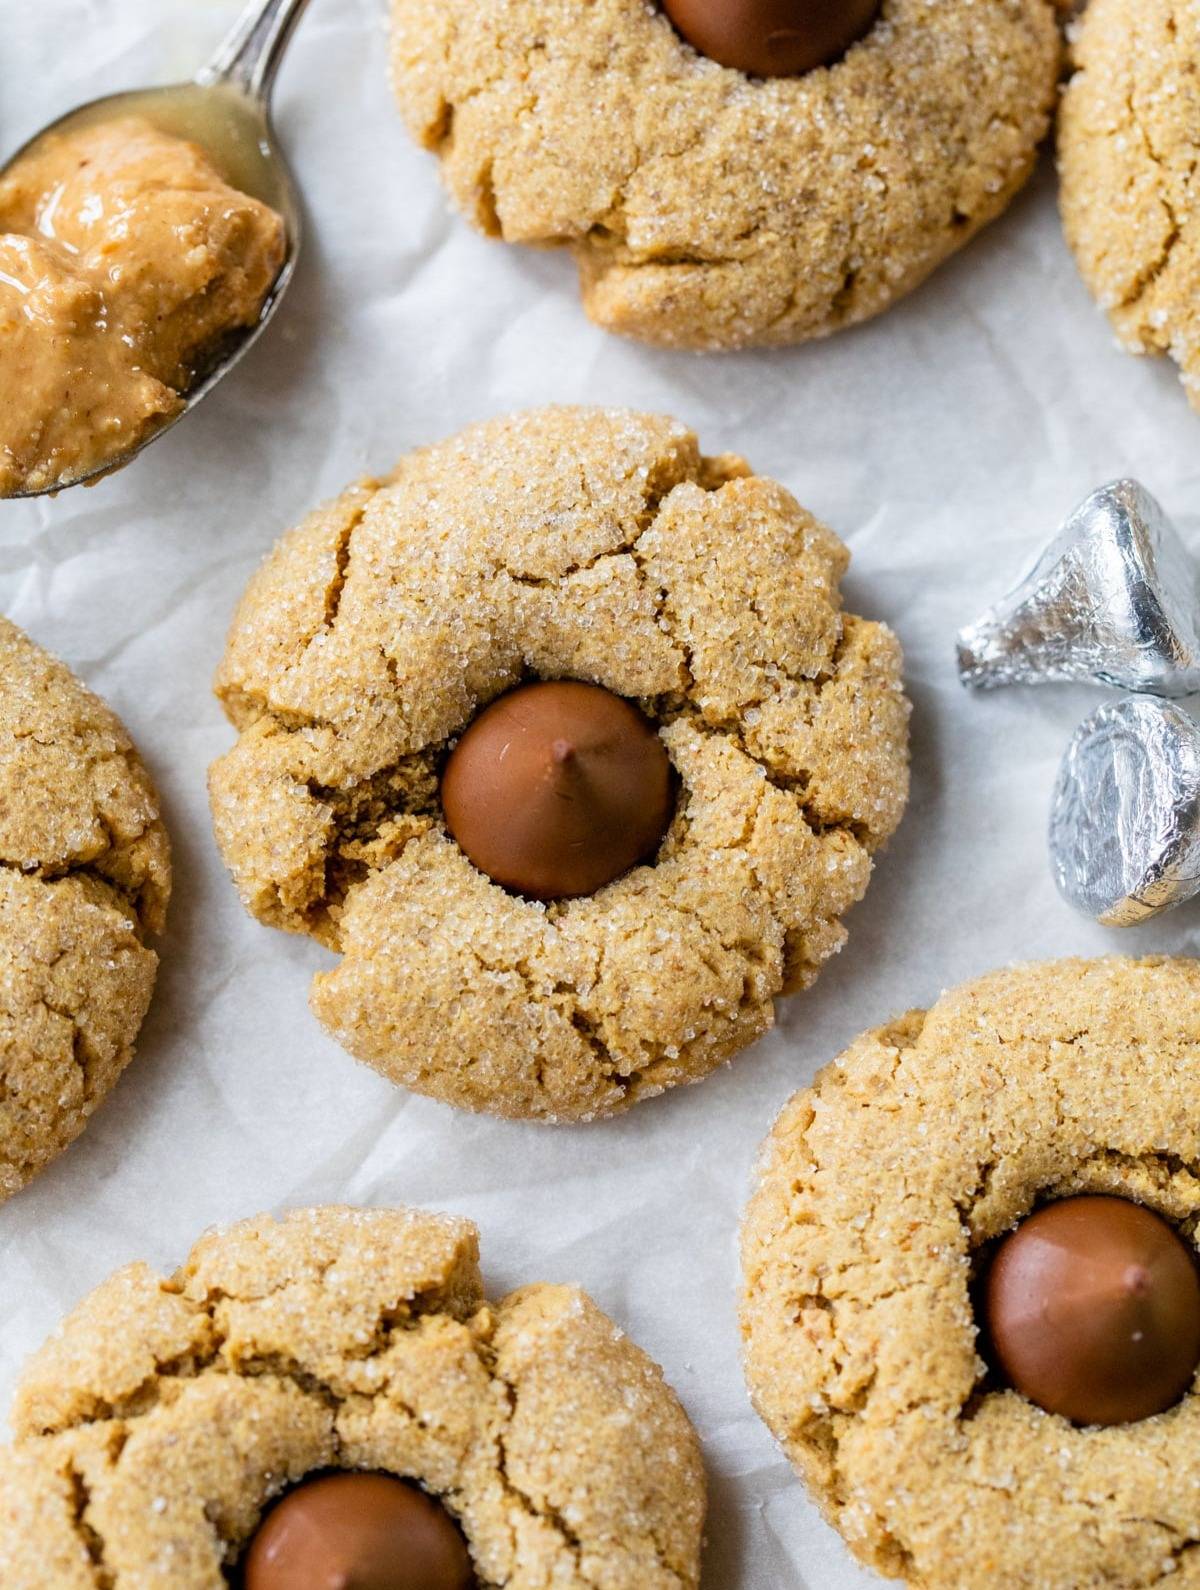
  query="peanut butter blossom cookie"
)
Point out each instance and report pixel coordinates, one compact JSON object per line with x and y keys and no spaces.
{"x":732,"y":172}
{"x":971,"y":1307}
{"x":1129,"y":153}
{"x":559,"y":736}
{"x":330,"y":1400}
{"x":85,"y":875}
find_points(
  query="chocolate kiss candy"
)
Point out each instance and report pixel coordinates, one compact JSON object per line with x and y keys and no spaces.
{"x":357,"y":1532}
{"x":558,"y":788}
{"x":1125,"y":814}
{"x":1113,"y":598}
{"x":772,"y":38}
{"x":1093,"y":1306}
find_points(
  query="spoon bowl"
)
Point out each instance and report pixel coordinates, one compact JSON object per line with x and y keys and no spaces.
{"x":225,"y":109}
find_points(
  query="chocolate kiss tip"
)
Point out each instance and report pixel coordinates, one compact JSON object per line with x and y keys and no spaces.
{"x":1092,"y":1306}
{"x":580,"y":795}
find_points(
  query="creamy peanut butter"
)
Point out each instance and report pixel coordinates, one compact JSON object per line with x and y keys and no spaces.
{"x":125,"y":261}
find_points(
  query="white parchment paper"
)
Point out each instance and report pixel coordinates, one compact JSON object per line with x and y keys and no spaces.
{"x":943,"y":442}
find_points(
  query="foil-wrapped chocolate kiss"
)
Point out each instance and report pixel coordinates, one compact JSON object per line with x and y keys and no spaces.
{"x":1125,"y":815}
{"x":1114,"y":598}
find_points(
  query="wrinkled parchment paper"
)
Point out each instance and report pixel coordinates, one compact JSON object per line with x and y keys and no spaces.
{"x":944,"y":442}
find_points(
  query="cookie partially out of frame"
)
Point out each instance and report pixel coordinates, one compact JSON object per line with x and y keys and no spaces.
{"x":708,"y":209}
{"x":163,"y":1417}
{"x":1129,"y":152}
{"x":562,"y":543}
{"x":880,"y":1189}
{"x":85,"y":875}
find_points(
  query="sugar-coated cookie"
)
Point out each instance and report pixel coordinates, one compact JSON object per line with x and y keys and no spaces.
{"x":709,"y":209}
{"x":579,"y":544}
{"x":165,"y":1416}
{"x":871,"y":1262}
{"x":1129,"y":152}
{"x":85,"y":875}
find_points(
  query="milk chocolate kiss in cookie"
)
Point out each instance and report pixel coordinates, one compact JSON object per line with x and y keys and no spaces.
{"x":772,"y":38}
{"x":558,"y":788}
{"x":1093,"y":1307}
{"x":357,"y":1532}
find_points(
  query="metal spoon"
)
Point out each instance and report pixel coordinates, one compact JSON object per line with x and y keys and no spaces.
{"x":226,"y":109}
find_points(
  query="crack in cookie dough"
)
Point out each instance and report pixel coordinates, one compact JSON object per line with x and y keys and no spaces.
{"x":707,"y":209}
{"x":878,"y":1189}
{"x":1129,"y":150}
{"x":85,"y":876}
{"x":155,"y":1427}
{"x":578,"y":543}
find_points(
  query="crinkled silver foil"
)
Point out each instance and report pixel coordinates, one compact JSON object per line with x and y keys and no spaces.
{"x":1113,"y":598}
{"x":1125,"y":818}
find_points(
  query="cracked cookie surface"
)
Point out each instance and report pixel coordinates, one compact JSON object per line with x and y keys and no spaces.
{"x":85,"y":875}
{"x":158,"y":1423}
{"x":879,"y":1188}
{"x":1129,"y":153}
{"x":580,"y":543}
{"x":706,"y":209}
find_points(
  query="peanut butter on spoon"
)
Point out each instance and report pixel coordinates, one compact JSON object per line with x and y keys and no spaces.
{"x":146,"y":239}
{"x":125,"y":260}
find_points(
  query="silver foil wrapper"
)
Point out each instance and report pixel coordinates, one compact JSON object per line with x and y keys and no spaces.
{"x":1113,"y":599}
{"x":1125,"y":818}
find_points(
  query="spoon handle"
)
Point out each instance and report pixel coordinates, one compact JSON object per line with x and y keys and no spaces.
{"x":249,"y":55}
